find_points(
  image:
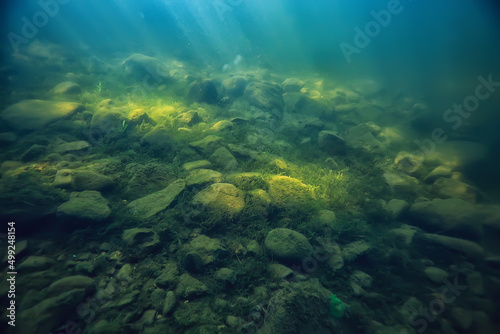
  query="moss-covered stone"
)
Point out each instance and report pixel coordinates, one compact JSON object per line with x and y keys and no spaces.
{"x":289,"y":193}
{"x":222,"y":199}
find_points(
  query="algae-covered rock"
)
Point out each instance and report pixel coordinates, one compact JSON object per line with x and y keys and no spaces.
{"x":226,"y":275}
{"x":189,"y":166}
{"x":331,"y":142}
{"x":143,"y":239}
{"x":302,"y":307}
{"x":169,"y":276}
{"x":88,"y":205}
{"x":234,"y":86}
{"x":207,"y":145}
{"x":290,"y":193}
{"x":209,"y":249}
{"x":288,"y":245}
{"x":144,"y":68}
{"x":223,"y":158}
{"x":158,"y":138}
{"x":221,"y":198}
{"x":466,"y":247}
{"x":35,"y":263}
{"x":449,"y":188}
{"x":258,"y":202}
{"x":67,"y":87}
{"x":49,"y":314}
{"x":203,"y":91}
{"x":107,"y":122}
{"x":168,"y":303}
{"x":88,"y":179}
{"x":248,"y":181}
{"x":35,"y":114}
{"x":292,"y":85}
{"x":154,"y":203}
{"x":199,"y":177}
{"x":70,"y":283}
{"x":449,"y":216}
{"x":190,"y":287}
{"x":361,"y":137}
{"x":357,"y":248}
{"x":73,"y":147}
{"x":266,"y":96}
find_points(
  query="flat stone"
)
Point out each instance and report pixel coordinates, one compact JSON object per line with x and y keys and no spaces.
{"x":35,"y":263}
{"x":156,"y":202}
{"x":466,"y":247}
{"x":449,"y":216}
{"x":207,"y":145}
{"x":221,"y":198}
{"x":35,"y":114}
{"x":67,"y":87}
{"x":435,"y":274}
{"x":189,"y":166}
{"x":449,"y":188}
{"x":70,"y":283}
{"x":88,"y":205}
{"x":72,"y":147}
{"x":202,"y":176}
{"x":288,"y":245}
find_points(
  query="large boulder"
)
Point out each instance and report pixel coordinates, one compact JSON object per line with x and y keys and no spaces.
{"x":361,"y":137}
{"x":453,"y":217}
{"x":288,"y":245}
{"x":35,"y":114}
{"x":450,"y":188}
{"x":234,"y":86}
{"x":331,"y":142}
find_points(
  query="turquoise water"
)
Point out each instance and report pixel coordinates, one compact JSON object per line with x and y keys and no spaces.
{"x":236,"y":166}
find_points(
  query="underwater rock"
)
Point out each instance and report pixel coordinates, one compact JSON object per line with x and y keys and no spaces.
{"x":168,"y":303}
{"x":207,"y":145}
{"x":405,"y":233}
{"x":107,"y":122}
{"x":158,"y":139}
{"x":335,"y":261}
{"x":466,"y":247}
{"x":156,"y":202}
{"x":8,"y":137}
{"x":288,"y":245}
{"x":226,"y":275}
{"x":192,"y":262}
{"x":408,"y":163}
{"x":331,"y":142}
{"x":302,"y":307}
{"x":143,"y":239}
{"x":266,"y":96}
{"x":305,"y":105}
{"x":49,"y":314}
{"x":449,"y":216}
{"x":125,"y":274}
{"x":88,"y":179}
{"x":359,"y":281}
{"x":222,"y":125}
{"x":71,"y":283}
{"x":438,"y":172}
{"x":400,"y":182}
{"x":203,"y":91}
{"x":289,"y":193}
{"x":278,"y":272}
{"x":138,"y":116}
{"x":169,"y":276}
{"x":221,"y":199}
{"x":33,"y":153}
{"x":462,"y":318}
{"x":366,"y":87}
{"x":72,"y":147}
{"x":437,"y":275}
{"x":189,"y":166}
{"x":145,"y":68}
{"x":258,"y":202}
{"x":355,"y":249}
{"x":361,"y":137}
{"x":224,"y":159}
{"x":63,"y":178}
{"x":35,"y":263}
{"x":190,"y":287}
{"x":188,"y":118}
{"x":85,"y":206}
{"x":397,"y":207}
{"x":292,"y":85}
{"x":248,"y":181}
{"x":35,"y":114}
{"x":234,"y":86}
{"x":199,"y":177}
{"x":67,"y":87}
{"x":449,"y":188}
{"x":209,"y":249}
